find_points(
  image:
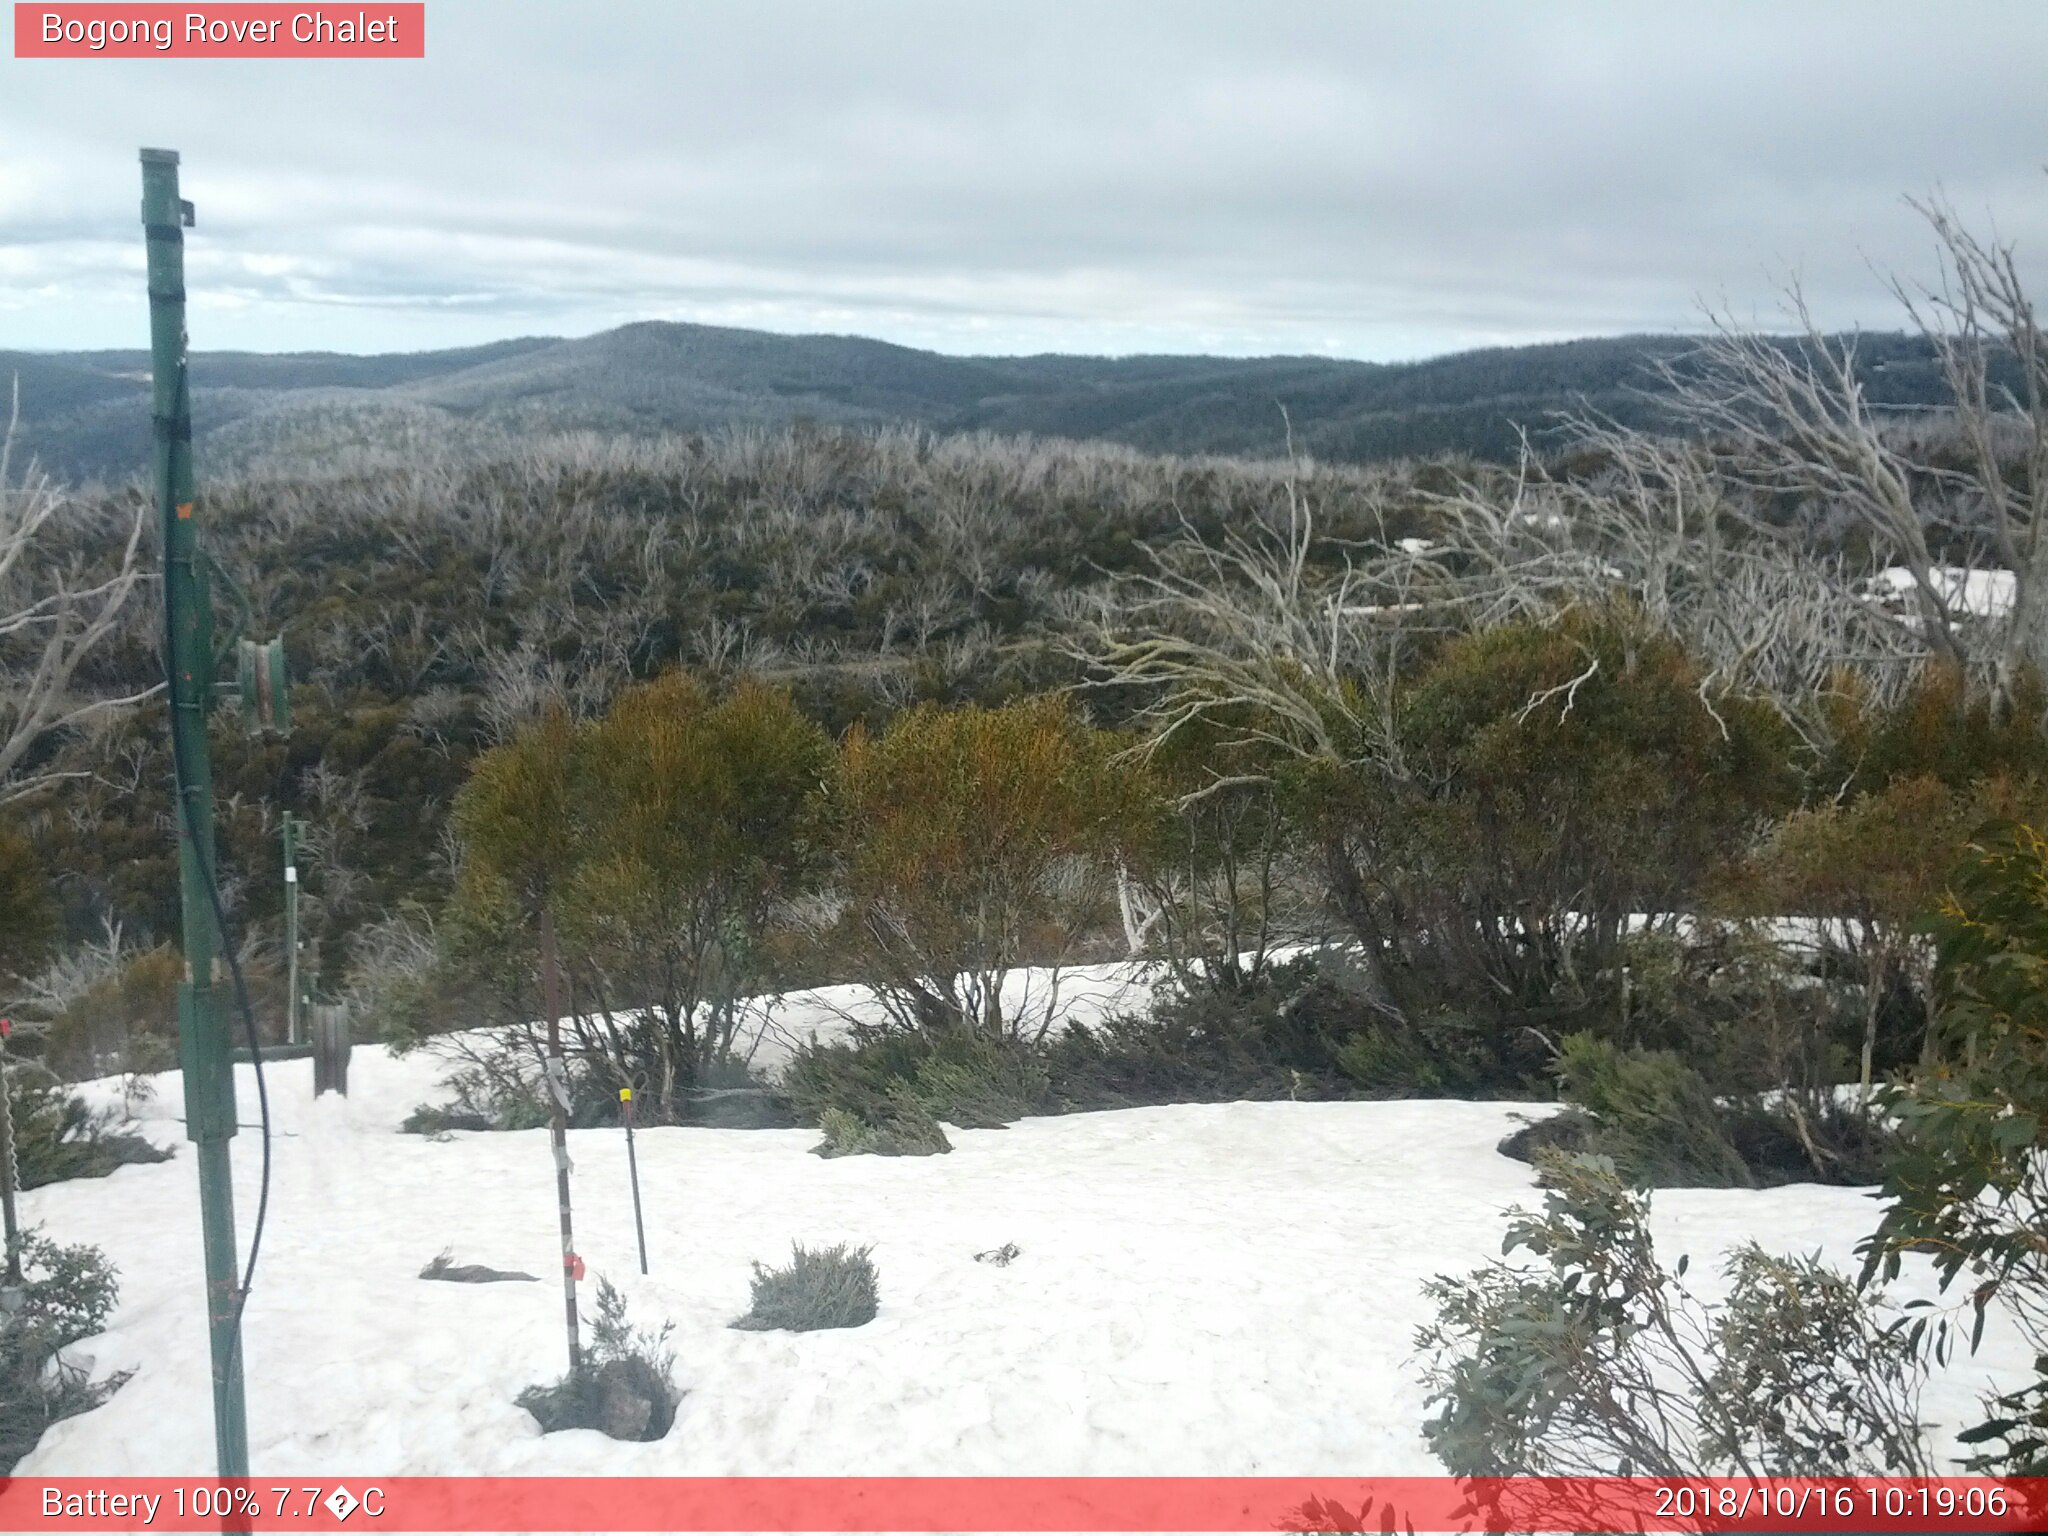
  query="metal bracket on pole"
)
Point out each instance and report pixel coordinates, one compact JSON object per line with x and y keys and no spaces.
{"x":264,"y":689}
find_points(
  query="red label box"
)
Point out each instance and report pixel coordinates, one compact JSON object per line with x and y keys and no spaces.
{"x":371,"y":30}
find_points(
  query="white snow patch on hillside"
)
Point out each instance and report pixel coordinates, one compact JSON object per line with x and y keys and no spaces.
{"x":1031,"y":997}
{"x":1976,"y":594}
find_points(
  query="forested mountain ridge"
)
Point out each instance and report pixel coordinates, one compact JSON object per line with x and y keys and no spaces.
{"x":85,"y":414}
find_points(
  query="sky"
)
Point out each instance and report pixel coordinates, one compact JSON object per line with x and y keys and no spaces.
{"x":1352,"y":178}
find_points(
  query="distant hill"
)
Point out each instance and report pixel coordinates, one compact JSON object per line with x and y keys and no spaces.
{"x":85,"y":414}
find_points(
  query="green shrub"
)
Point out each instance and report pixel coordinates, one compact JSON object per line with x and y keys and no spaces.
{"x":499,"y":1090}
{"x":57,"y":1136}
{"x":1655,"y":1117}
{"x":67,"y":1296}
{"x":887,"y":1091}
{"x":439,"y":1119}
{"x":1553,"y":777}
{"x":1968,"y":1183}
{"x":906,"y":1130}
{"x":1596,"y":1360}
{"x":625,"y":1387}
{"x":819,"y":1288}
{"x":1304,"y":1029}
{"x":1651,"y":1113}
{"x":981,"y":1085}
{"x":970,"y":842}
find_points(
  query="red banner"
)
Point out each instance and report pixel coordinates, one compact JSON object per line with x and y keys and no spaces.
{"x":978,"y":1504}
{"x":114,"y":31}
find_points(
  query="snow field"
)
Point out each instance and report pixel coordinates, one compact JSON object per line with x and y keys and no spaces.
{"x":1201,"y":1289}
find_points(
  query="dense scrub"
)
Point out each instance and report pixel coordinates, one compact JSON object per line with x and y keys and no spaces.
{"x":1594,"y":1360}
{"x":729,"y":715}
{"x":431,"y":601}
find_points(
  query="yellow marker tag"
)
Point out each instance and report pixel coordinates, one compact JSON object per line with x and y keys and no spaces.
{"x":625,"y":1094}
{"x":184,"y":509}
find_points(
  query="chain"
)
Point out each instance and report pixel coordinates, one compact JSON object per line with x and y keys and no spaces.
{"x":13,"y":1157}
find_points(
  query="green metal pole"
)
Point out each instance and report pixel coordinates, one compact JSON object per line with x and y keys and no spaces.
{"x":293,"y":1013}
{"x":188,"y":628}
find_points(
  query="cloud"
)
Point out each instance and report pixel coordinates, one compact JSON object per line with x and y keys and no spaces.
{"x":1382,"y":180}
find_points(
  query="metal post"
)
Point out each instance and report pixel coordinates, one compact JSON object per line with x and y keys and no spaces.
{"x":558,"y":1125}
{"x":294,"y":1014}
{"x":633,"y":1172}
{"x":189,"y":663}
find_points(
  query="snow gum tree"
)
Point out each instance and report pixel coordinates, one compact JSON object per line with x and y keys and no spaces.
{"x":694,"y":839}
{"x":1552,"y":779}
{"x":971,"y":842}
{"x":657,"y":842}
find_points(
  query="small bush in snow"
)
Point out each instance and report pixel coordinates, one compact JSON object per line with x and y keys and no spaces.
{"x":897,"y":1085}
{"x":820,"y":1288}
{"x":1652,"y":1114}
{"x":626,"y":1386}
{"x":1305,"y":1028}
{"x":981,"y":1084}
{"x":904,"y":1130}
{"x":68,"y":1294}
{"x":499,"y":1086}
{"x":1596,"y":1360}
{"x":58,"y":1136}
{"x":1656,"y":1117}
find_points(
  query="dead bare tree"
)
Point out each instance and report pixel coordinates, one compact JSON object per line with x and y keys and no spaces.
{"x":1791,"y":416}
{"x":55,"y":609}
{"x":1659,"y":523}
{"x":1979,"y":314}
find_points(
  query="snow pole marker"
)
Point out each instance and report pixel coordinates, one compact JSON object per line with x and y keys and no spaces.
{"x":633,"y":1172}
{"x":558,"y":1128}
{"x":294,"y":1010}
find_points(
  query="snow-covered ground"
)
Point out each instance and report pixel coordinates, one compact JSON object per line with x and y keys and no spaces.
{"x":1213,"y":1289}
{"x":1969,"y":593}
{"x":1033,"y":999}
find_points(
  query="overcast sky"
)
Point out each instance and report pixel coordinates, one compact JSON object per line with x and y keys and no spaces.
{"x":1361,"y":179}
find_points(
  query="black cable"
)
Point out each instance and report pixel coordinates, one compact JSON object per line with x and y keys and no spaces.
{"x":180,"y":779}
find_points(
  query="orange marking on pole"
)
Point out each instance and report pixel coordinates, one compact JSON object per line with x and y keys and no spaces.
{"x":184,"y":509}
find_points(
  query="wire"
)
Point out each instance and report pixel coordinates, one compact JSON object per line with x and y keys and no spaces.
{"x":181,"y":779}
